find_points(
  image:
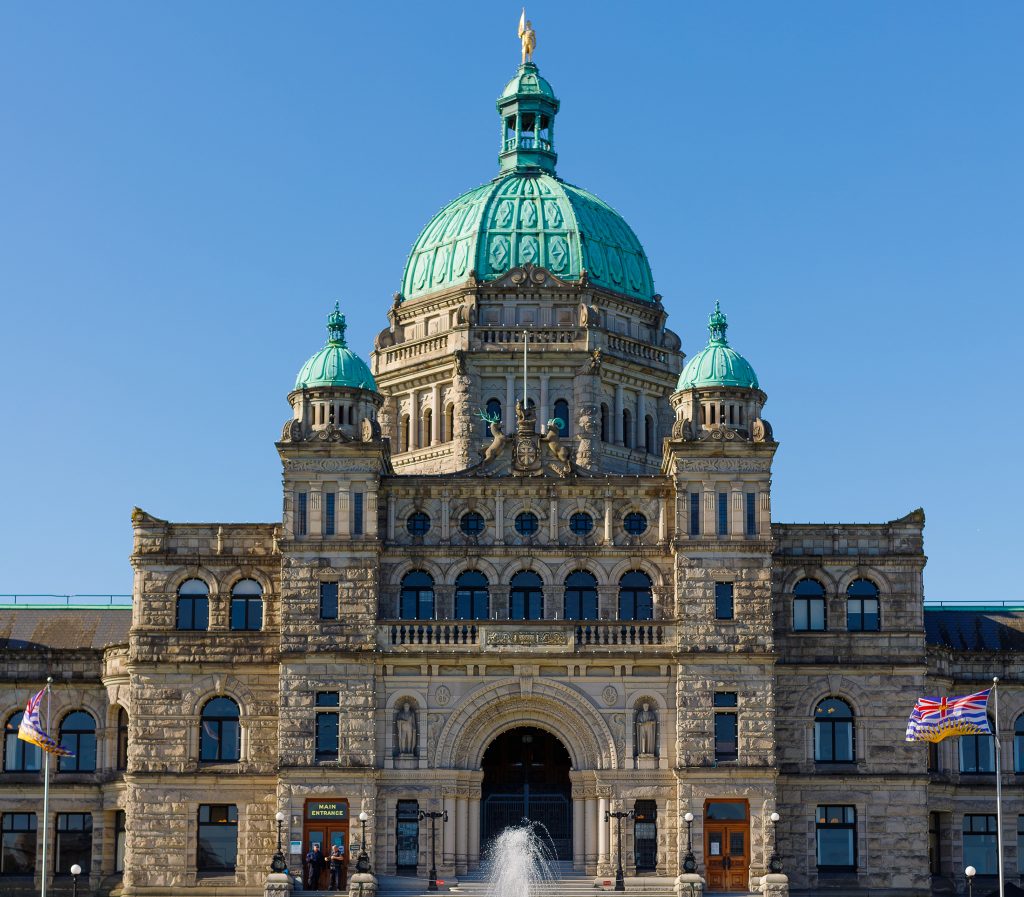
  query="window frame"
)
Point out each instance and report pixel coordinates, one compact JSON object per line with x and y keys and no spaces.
{"x":472,"y":524}
{"x":416,"y":592}
{"x":845,"y":825}
{"x":580,"y":594}
{"x":63,"y":831}
{"x":75,"y":743}
{"x":10,"y":827}
{"x":418,"y":524}
{"x":990,"y":842}
{"x":523,"y":522}
{"x":218,"y":722}
{"x":726,"y":710}
{"x":631,"y":521}
{"x":21,"y":749}
{"x":527,"y":595}
{"x":577,"y":526}
{"x":326,"y":711}
{"x":1018,"y":756}
{"x":830,"y":725}
{"x":121,"y":743}
{"x":975,"y":742}
{"x":806,"y":602}
{"x":192,"y":600}
{"x":251,"y":604}
{"x":861,"y":602}
{"x":471,"y":593}
{"x":725,"y":591}
{"x":631,"y":592}
{"x":329,"y":599}
{"x":231,"y":822}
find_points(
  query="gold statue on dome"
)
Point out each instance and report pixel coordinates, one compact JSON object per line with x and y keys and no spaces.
{"x":528,"y":36}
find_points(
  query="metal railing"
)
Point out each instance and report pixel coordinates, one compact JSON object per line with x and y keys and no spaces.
{"x":77,"y":600}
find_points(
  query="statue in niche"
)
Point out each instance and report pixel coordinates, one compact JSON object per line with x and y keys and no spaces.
{"x":405,"y":730}
{"x":646,"y":730}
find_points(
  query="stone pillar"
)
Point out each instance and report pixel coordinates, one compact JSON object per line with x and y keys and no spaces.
{"x":415,"y":423}
{"x":314,"y":511}
{"x":553,"y":520}
{"x":461,"y":836}
{"x":764,"y":514}
{"x":617,"y":415}
{"x":609,"y":535}
{"x":499,"y":518}
{"x":579,"y":809}
{"x":474,"y":833}
{"x":738,"y":513}
{"x":448,"y":837}
{"x":445,"y":517}
{"x":277,"y":885}
{"x":641,"y":423}
{"x":499,"y":602}
{"x":608,"y":602}
{"x":370,"y":523}
{"x":602,"y":835}
{"x":391,"y":518}
{"x":709,"y":516}
{"x":774,"y":884}
{"x":689,"y":885}
{"x":343,"y":513}
{"x":437,"y":418}
{"x":590,"y":833}
{"x":662,"y":519}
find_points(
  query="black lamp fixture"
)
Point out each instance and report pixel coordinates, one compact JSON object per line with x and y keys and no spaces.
{"x":689,"y":861}
{"x":433,"y":816}
{"x":76,"y":870}
{"x":970,"y":872}
{"x":278,"y":864}
{"x":775,"y":861}
{"x":620,"y":880}
{"x":363,"y":862}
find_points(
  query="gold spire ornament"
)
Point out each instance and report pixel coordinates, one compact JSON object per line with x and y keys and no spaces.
{"x":528,"y":36}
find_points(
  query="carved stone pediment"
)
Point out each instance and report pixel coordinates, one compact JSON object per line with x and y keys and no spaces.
{"x":532,"y":276}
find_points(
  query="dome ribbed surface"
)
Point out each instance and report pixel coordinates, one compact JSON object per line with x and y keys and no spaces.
{"x":528,"y":218}
{"x":717,"y":364}
{"x":335,"y":366}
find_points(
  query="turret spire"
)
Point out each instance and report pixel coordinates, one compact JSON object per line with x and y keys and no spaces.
{"x":717,"y":325}
{"x":336,"y":328}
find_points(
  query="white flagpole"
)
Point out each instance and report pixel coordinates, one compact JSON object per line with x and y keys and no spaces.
{"x":999,"y":780}
{"x":46,"y":785}
{"x":525,"y":335}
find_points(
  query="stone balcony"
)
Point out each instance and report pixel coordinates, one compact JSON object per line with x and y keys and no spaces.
{"x":545,"y":636}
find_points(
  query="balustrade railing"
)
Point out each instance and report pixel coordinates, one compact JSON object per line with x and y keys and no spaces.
{"x":433,"y":633}
{"x":497,"y":635}
{"x":545,"y":335}
{"x":619,"y":635}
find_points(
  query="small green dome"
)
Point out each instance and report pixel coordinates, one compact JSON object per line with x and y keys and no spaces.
{"x":717,"y":364}
{"x":528,"y":81}
{"x":335,"y":364}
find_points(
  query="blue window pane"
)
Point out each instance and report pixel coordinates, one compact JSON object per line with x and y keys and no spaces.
{"x":751,"y":527}
{"x":357,"y":514}
{"x":694,"y":513}
{"x":301,"y":521}
{"x":328,"y":601}
{"x":723,"y":601}
{"x":329,"y":514}
{"x":723,"y":513}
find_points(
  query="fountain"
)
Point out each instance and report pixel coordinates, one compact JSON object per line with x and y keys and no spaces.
{"x":520,"y":863}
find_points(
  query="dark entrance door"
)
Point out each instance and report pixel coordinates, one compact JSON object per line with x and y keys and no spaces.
{"x":407,"y":837}
{"x":526,"y":775}
{"x":645,"y":835}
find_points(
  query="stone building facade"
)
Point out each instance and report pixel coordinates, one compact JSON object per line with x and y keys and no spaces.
{"x":526,"y":564}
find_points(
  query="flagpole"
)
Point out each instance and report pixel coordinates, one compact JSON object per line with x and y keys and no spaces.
{"x":46,"y":786}
{"x":525,"y":335}
{"x":999,"y":780}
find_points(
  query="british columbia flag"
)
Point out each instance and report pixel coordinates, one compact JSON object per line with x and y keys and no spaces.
{"x":31,"y":729}
{"x":933,"y":719}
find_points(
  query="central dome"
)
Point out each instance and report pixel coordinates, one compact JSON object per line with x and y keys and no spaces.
{"x":527,"y":215}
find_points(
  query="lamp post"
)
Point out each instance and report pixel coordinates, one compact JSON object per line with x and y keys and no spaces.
{"x":433,"y":816}
{"x":689,"y":862}
{"x":970,"y":872}
{"x":775,"y":861}
{"x":363,"y":863}
{"x":76,"y":870}
{"x":620,"y":881}
{"x":278,"y":864}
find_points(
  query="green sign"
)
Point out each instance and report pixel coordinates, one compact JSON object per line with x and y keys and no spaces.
{"x":327,"y":809}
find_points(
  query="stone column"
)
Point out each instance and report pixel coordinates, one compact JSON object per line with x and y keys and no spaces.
{"x":370,"y":523}
{"x":474,"y":833}
{"x":641,"y":423}
{"x":764,"y":514}
{"x":553,"y":520}
{"x":608,"y":602}
{"x":617,"y":413}
{"x":437,"y":417}
{"x":602,"y":835}
{"x":314,"y":510}
{"x":343,"y":513}
{"x":448,"y":838}
{"x":445,"y":517}
{"x":609,"y":536}
{"x":579,"y":809}
{"x":499,"y":602}
{"x":590,"y":833}
{"x":739,"y":513}
{"x":391,"y":518}
{"x":499,"y":518}
{"x":662,"y":520}
{"x":461,"y":835}
{"x":709,"y":515}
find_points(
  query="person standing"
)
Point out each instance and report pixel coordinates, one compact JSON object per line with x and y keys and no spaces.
{"x":337,"y":864}
{"x":314,"y":868}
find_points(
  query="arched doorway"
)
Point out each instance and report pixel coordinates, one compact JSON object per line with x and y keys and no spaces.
{"x":526,"y":774}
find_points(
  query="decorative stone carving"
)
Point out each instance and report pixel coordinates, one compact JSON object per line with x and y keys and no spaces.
{"x":724,"y":465}
{"x":292,"y":431}
{"x":589,"y":317}
{"x":761,"y":431}
{"x":610,"y":695}
{"x":369,"y":430}
{"x":406,"y":730}
{"x":588,"y":429}
{"x":594,"y":364}
{"x":443,"y":696}
{"x":646,"y":721}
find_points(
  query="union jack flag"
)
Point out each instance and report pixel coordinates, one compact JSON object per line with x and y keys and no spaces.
{"x":933,"y":719}
{"x":31,"y":729}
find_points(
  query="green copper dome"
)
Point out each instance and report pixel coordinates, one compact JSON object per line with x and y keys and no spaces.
{"x":717,"y":364}
{"x":527,"y":215}
{"x":335,"y":364}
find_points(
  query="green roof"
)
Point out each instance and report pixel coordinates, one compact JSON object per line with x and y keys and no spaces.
{"x":717,"y":364}
{"x":527,"y":215}
{"x":335,"y":364}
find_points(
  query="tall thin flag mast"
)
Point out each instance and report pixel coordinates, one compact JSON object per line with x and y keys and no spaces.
{"x":525,"y":337}
{"x":999,"y":780}
{"x":46,"y":787}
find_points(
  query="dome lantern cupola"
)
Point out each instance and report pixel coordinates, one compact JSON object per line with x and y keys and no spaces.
{"x":527,"y":107}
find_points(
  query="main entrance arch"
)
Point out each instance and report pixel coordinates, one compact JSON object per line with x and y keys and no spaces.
{"x":526,"y":775}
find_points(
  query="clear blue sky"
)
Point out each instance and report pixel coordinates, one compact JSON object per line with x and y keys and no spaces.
{"x":185,"y":189}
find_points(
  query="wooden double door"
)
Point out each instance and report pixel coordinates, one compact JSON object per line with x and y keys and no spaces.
{"x":325,"y":822}
{"x":727,"y":845}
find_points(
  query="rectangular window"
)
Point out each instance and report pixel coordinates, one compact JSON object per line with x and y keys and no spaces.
{"x":119,"y":834}
{"x":328,"y":601}
{"x":217,"y":844}
{"x":836,"y":830}
{"x":694,"y":513}
{"x":723,"y":513}
{"x":122,"y":738}
{"x":934,"y":844}
{"x":407,"y":835}
{"x":74,"y":842}
{"x":18,"y":848}
{"x":301,"y":523}
{"x":980,"y":843}
{"x":723,"y":601}
{"x":809,"y":614}
{"x":329,"y":513}
{"x":726,"y":726}
{"x":326,"y":726}
{"x":933,"y":757}
{"x":977,"y":754}
{"x":357,"y":513}
{"x":751,"y":514}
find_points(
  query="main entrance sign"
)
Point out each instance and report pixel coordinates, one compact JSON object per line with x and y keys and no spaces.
{"x":325,"y":822}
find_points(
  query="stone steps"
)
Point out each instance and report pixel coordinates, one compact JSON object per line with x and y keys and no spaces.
{"x":568,"y":885}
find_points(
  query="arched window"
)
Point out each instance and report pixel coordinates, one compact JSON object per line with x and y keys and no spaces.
{"x":78,"y":734}
{"x":193,"y":605}
{"x":493,"y":411}
{"x":648,"y":434}
{"x":833,"y":732}
{"x":635,"y":598}
{"x":247,"y":605}
{"x":627,"y":428}
{"x":862,"y":606}
{"x":808,"y":606}
{"x":219,"y":740}
{"x":978,"y":752}
{"x":562,"y":414}
{"x":526,"y":597}
{"x":472,"y":598}
{"x":581,"y":596}
{"x":19,"y":756}
{"x":449,"y":423}
{"x":417,"y":598}
{"x":403,"y":435}
{"x":428,"y":427}
{"x":122,"y":738}
{"x":1018,"y":746}
{"x":604,"y":423}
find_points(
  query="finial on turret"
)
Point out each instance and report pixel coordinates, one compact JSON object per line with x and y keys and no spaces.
{"x":336,"y":327}
{"x":717,"y":325}
{"x":528,"y":37}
